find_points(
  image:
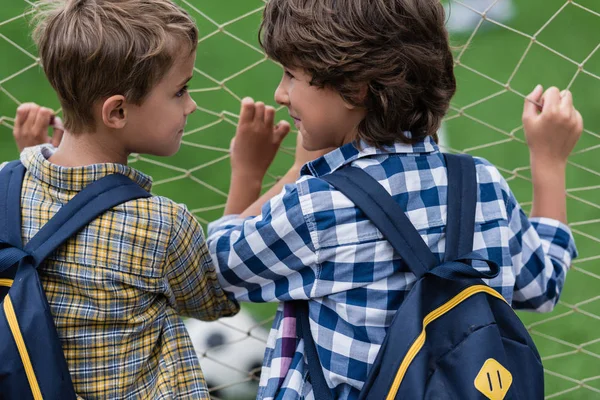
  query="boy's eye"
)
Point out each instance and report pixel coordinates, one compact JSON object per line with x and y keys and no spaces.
{"x":288,"y":74}
{"x":182,"y":91}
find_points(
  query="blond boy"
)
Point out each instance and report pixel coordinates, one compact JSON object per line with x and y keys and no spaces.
{"x":117,"y":289}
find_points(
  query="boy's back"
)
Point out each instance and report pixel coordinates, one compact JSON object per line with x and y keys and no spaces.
{"x":116,"y":289}
{"x":311,"y":242}
{"x":120,"y":69}
{"x":367,"y":85}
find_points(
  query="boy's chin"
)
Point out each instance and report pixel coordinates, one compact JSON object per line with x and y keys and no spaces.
{"x":308,"y":146}
{"x":165,"y":151}
{"x":313,"y":148}
{"x":322,"y":148}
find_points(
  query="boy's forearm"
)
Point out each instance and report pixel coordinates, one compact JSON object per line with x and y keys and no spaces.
{"x":243,"y":192}
{"x":549,"y":190}
{"x":254,"y":209}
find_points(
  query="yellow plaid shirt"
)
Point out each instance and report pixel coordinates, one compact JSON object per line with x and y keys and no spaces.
{"x":117,"y":288}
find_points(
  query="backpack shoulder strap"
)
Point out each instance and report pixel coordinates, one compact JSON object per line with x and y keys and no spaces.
{"x":315,"y":370}
{"x":87,"y":205}
{"x":368,"y":195}
{"x":462,"y":203}
{"x":390,"y":219}
{"x":11,"y":180}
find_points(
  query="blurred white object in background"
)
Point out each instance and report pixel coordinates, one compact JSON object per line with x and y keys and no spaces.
{"x":231,"y":352}
{"x":461,"y":19}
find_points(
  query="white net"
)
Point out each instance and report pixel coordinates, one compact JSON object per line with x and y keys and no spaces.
{"x":504,"y":48}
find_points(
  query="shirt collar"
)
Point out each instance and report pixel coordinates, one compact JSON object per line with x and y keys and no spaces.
{"x":35,"y":160}
{"x":350,"y":152}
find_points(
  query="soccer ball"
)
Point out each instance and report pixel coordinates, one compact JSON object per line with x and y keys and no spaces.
{"x":461,"y":19}
{"x":231,"y":352}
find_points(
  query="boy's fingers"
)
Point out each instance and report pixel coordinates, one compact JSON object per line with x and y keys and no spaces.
{"x":551,"y":99}
{"x":536,"y":94}
{"x":58,"y":131}
{"x":57,"y":123}
{"x":42,"y":122}
{"x":281,"y":131}
{"x":531,"y":108}
{"x":566,"y":100}
{"x":28,"y":124}
{"x":269,"y":116}
{"x":22,"y":113}
{"x":259,"y":111}
{"x":247,"y":110}
{"x":57,"y":137}
{"x":579,"y":120}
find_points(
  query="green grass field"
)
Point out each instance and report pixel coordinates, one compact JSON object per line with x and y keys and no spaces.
{"x":230,"y":66}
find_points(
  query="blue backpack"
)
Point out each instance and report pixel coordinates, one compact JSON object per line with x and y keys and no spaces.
{"x":453,"y":337}
{"x":33,"y":364}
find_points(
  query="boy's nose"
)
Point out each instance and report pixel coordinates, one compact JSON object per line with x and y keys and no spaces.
{"x":191,"y":107}
{"x":281,"y":96}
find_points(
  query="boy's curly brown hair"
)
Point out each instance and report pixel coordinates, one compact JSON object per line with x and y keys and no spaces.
{"x":398,"y":50}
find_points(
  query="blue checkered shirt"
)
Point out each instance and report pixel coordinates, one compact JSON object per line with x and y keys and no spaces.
{"x":311,"y":242}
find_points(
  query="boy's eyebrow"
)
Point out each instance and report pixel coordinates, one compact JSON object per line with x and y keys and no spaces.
{"x":186,"y":81}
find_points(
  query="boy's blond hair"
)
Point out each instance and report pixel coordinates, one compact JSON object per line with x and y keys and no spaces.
{"x":93,"y":49}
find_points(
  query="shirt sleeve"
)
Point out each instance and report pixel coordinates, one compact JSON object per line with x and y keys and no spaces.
{"x":192,"y":285}
{"x":542,"y":250}
{"x":269,"y":257}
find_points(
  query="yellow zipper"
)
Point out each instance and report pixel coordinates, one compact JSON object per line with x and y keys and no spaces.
{"x":16,"y":331}
{"x":6,"y":282}
{"x":432,"y":316}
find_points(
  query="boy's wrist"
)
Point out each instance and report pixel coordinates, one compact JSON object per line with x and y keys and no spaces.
{"x":250,"y":185}
{"x":549,"y":188}
{"x":547,"y":166}
{"x":249,"y":175}
{"x":243,"y":191}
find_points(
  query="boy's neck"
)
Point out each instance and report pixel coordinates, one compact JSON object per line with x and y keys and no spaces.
{"x":87,"y":149}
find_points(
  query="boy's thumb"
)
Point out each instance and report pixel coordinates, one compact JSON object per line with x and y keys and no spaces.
{"x":281,"y":131}
{"x":531,"y":106}
{"x":57,"y":132}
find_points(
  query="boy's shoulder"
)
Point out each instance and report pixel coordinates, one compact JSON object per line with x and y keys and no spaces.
{"x":313,"y":186}
{"x":167,"y":206}
{"x":160,"y":212}
{"x":488,"y":173}
{"x":326,"y":208}
{"x":179,"y":213}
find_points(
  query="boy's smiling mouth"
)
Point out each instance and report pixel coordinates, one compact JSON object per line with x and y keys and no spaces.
{"x":296,"y":120}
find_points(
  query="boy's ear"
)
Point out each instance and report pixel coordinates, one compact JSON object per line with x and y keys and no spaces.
{"x":114,"y":112}
{"x":360,"y":98}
